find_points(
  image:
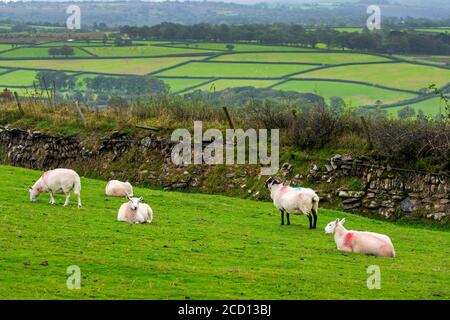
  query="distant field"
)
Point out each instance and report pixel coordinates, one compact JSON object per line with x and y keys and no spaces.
{"x":76,"y":43}
{"x":237,"y":65}
{"x":181,"y":84}
{"x":116,"y":66}
{"x":349,"y":29}
{"x":434,"y":30}
{"x":430,"y":107}
{"x":219,"y":85}
{"x":438,"y":60}
{"x":38,"y":53}
{"x":18,"y":78}
{"x":139,"y":51}
{"x":5,"y":46}
{"x":199,"y":69}
{"x":353,"y":94}
{"x":237,"y":47}
{"x":305,"y":57}
{"x":399,"y":75}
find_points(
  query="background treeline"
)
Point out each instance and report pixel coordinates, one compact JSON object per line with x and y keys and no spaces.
{"x":392,"y":41}
{"x":116,"y":13}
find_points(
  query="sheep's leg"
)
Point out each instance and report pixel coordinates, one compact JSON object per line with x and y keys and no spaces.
{"x":79,"y":200}
{"x":52,"y":199}
{"x":288,"y":220}
{"x":67,"y":199}
{"x":310,"y":220}
{"x":282,"y":217}
{"x":315,"y":218}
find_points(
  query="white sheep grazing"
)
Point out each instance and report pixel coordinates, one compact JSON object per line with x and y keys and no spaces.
{"x":57,"y":181}
{"x":134,"y":211}
{"x":116,"y":188}
{"x":369,"y":243}
{"x":294,"y":201}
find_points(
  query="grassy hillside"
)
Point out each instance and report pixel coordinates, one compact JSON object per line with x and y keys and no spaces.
{"x":200,"y":247}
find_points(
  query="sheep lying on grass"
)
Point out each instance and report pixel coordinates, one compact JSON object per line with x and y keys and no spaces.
{"x":369,"y":243}
{"x":294,"y":201}
{"x":116,"y":188}
{"x":57,"y":181}
{"x":134,"y":211}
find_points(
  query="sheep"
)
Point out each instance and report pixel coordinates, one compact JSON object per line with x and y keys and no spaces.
{"x":369,"y":243}
{"x":134,"y":211}
{"x":57,"y":181}
{"x":116,"y":188}
{"x":293,"y":201}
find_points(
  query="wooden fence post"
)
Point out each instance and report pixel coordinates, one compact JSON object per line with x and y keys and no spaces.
{"x":19,"y":105}
{"x":80,"y":113}
{"x":228,"y":117}
{"x":366,"y":129}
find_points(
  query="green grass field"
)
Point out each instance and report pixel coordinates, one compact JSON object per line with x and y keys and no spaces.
{"x":4,"y":46}
{"x":353,"y":94}
{"x":117,"y":66}
{"x":219,"y":85}
{"x":140,"y":51}
{"x":303,"y":57}
{"x":199,"y":69}
{"x":237,"y":47}
{"x":18,"y":78}
{"x":403,"y":75}
{"x":181,"y":84}
{"x":429,"y":107}
{"x":398,"y":75}
{"x":200,"y":247}
{"x":38,"y":53}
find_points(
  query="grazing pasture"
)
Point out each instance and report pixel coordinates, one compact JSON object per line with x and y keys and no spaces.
{"x":219,"y":85}
{"x":200,"y":247}
{"x":353,"y":94}
{"x":301,"y":57}
{"x":36,"y":52}
{"x":211,"y":69}
{"x":115,"y":66}
{"x":18,"y":78}
{"x":399,"y":75}
{"x":237,"y":47}
{"x":219,"y":66}
{"x":140,"y":51}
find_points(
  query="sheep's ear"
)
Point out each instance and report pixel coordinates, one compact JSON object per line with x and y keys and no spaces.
{"x":128,"y":197}
{"x":141,"y":199}
{"x":342,"y":221}
{"x":337,"y":220}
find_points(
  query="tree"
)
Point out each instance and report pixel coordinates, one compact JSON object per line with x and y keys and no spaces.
{"x":230,"y":47}
{"x":406,"y":112}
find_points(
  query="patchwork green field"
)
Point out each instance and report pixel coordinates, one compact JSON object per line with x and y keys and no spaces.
{"x":355,"y":94}
{"x":212,"y":66}
{"x":18,"y":78}
{"x":200,"y":247}
{"x":211,"y":69}
{"x":38,"y":53}
{"x":219,"y":85}
{"x":141,"y":51}
{"x":302,"y":57}
{"x":122,"y":66}
{"x":400,"y":75}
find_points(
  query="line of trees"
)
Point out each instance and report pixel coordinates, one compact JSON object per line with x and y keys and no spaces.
{"x":385,"y":41}
{"x":55,"y":80}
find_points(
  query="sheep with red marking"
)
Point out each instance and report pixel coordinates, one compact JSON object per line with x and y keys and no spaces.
{"x":134,"y":211}
{"x":369,"y":243}
{"x":57,"y":181}
{"x":116,"y":188}
{"x":294,"y":201}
